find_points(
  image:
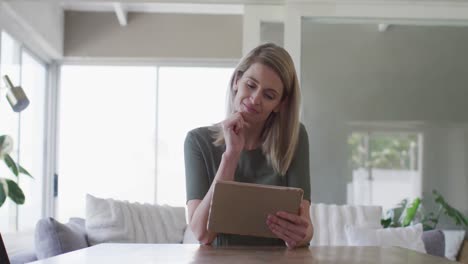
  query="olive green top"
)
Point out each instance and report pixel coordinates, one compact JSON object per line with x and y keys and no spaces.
{"x":202,"y":159}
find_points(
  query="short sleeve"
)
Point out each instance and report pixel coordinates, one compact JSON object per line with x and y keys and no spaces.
{"x":299,"y":171}
{"x":196,"y":175}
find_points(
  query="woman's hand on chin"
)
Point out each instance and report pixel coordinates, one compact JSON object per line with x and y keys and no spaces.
{"x":234,"y":132}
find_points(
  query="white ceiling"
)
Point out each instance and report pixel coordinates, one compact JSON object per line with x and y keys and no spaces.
{"x":235,"y":7}
{"x":185,"y":8}
{"x":204,"y":6}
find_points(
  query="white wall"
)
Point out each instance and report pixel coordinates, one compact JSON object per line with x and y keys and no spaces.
{"x":254,"y":16}
{"x":456,"y":186}
{"x":152,"y":35}
{"x":272,"y":32}
{"x":409,"y":73}
{"x":38,"y":25}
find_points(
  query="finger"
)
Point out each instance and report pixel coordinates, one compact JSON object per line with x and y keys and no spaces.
{"x":233,"y":122}
{"x":292,"y":218}
{"x":289,"y":233}
{"x":241,"y":119}
{"x":242,"y":116}
{"x":290,"y":242}
{"x":230,"y":122}
{"x":286,"y":225}
{"x":280,"y":235}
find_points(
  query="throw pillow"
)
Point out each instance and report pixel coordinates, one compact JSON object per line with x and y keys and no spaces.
{"x":54,"y":238}
{"x":453,"y":241}
{"x":109,"y":220}
{"x":434,"y":242}
{"x":406,"y":237}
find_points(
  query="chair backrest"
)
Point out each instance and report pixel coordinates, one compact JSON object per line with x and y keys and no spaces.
{"x":463,"y":253}
{"x":3,"y":253}
{"x":329,"y":221}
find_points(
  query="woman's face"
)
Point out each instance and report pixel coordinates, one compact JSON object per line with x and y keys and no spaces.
{"x":259,"y":92}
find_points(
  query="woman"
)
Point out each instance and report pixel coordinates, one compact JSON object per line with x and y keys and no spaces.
{"x":260,"y":141}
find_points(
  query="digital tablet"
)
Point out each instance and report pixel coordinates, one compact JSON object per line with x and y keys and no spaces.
{"x":242,"y":208}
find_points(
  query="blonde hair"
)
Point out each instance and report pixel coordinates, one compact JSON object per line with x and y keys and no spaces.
{"x":280,"y":133}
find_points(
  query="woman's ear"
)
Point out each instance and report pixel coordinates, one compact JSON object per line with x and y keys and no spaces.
{"x":234,"y":86}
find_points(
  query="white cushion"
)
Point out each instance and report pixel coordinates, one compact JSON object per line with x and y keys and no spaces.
{"x":329,"y":221}
{"x":109,"y":220}
{"x":406,"y":237}
{"x":453,"y":241}
{"x":19,"y":242}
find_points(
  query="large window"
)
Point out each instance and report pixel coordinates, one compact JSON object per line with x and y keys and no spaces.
{"x":32,"y":135}
{"x":27,"y":130}
{"x":188,"y":98}
{"x":122,"y":130}
{"x":107,"y":128}
{"x":8,"y":120}
{"x":386,"y":168}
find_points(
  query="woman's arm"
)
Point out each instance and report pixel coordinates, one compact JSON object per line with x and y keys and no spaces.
{"x":233,"y":129}
{"x":198,"y":209}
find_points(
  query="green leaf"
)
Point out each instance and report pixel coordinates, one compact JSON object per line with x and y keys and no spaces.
{"x":11,"y":164}
{"x":2,"y":194}
{"x":24,"y":171}
{"x":2,"y":138}
{"x":14,"y":192}
{"x":386,"y":222}
{"x":427,"y":227}
{"x":411,"y":212}
{"x":398,"y":213}
{"x":457,"y":216}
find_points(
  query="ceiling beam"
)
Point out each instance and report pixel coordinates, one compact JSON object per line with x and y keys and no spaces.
{"x":383,"y":27}
{"x":121,"y":14}
{"x":218,"y":2}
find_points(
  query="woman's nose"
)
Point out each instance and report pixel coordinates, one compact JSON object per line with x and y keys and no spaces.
{"x":255,"y":97}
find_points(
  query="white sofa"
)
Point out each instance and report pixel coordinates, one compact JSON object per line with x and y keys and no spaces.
{"x":329,"y":222}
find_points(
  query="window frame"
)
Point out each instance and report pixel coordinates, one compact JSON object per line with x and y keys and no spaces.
{"x":20,"y":48}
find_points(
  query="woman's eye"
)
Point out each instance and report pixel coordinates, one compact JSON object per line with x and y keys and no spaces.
{"x":251,"y":86}
{"x":269,"y":96}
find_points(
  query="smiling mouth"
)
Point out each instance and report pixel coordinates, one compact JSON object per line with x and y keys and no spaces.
{"x":250,"y":109}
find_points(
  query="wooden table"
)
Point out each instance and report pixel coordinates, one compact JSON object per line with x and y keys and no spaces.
{"x":193,"y":254}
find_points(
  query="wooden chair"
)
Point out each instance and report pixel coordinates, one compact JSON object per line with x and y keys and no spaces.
{"x":463,"y":253}
{"x":3,"y":254}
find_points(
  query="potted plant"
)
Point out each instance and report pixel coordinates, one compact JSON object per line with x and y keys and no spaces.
{"x":8,"y":187}
{"x":405,"y":214}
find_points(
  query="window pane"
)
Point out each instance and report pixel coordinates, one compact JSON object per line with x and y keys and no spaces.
{"x":188,"y":98}
{"x":33,"y":81}
{"x":107,"y":128}
{"x":394,"y":151}
{"x":8,"y":122}
{"x":385,"y":168}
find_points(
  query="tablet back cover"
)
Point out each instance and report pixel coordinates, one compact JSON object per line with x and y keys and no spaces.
{"x":242,"y":208}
